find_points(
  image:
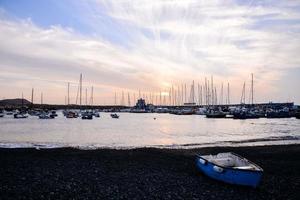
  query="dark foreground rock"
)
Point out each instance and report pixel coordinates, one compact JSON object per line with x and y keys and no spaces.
{"x":141,"y":174}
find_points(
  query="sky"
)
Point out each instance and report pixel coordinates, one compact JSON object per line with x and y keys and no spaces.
{"x":128,"y":45}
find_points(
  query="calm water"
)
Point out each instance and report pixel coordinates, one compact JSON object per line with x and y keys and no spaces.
{"x":139,"y":130}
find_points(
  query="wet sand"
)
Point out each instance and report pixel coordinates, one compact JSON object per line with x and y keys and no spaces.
{"x":144,"y":173}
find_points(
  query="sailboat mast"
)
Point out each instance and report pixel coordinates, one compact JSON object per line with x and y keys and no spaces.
{"x":205,"y":91}
{"x":201,"y":103}
{"x":68,"y":93}
{"x":228,"y":95}
{"x":221,"y":98}
{"x":252,"y":89}
{"x":92,"y":96}
{"x":243,"y":94}
{"x":185,"y":100}
{"x":216,"y":96}
{"x":122,"y":100}
{"x":212,"y":91}
{"x":80,"y":90}
{"x":160,"y":98}
{"x":178,"y":95}
{"x":86,"y":97}
{"x":182,"y":94}
{"x":32,"y":91}
{"x":128,"y":96}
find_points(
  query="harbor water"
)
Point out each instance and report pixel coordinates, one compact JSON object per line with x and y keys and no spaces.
{"x":133,"y":130}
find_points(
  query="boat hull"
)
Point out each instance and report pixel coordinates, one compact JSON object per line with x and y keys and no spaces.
{"x":216,"y":116}
{"x":229,"y":175}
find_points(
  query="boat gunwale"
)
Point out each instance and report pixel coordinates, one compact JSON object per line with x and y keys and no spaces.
{"x":260,"y":170}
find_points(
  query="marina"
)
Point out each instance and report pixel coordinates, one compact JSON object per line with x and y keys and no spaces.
{"x":151,"y":100}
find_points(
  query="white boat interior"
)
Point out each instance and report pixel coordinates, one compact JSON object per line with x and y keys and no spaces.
{"x":231,"y":160}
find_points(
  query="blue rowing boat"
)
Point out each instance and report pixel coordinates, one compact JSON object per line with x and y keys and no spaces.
{"x":230,"y":168}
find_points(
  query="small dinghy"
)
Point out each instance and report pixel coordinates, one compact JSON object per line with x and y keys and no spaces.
{"x":230,"y":168}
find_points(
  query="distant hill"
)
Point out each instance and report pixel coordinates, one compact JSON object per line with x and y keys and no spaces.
{"x":14,"y":102}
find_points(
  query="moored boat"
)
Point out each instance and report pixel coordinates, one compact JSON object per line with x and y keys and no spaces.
{"x":96,"y":114}
{"x":230,"y":168}
{"x":215,"y":114}
{"x":297,"y":115}
{"x":114,"y":115}
{"x":20,"y":116}
{"x":53,"y":114}
{"x":9,"y":113}
{"x":71,"y":114}
{"x":45,"y":116}
{"x":283,"y":113}
{"x":87,"y":115}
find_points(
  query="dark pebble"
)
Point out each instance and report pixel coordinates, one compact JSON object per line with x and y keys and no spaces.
{"x":141,"y":174}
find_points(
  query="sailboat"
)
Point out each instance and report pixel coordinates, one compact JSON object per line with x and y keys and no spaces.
{"x":69,"y":113}
{"x":95,"y":113}
{"x":85,"y":114}
{"x":45,"y":114}
{"x":20,"y":115}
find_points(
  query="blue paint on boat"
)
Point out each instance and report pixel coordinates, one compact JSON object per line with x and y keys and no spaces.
{"x":230,"y":175}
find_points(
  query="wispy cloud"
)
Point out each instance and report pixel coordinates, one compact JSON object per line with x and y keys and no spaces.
{"x":157,"y":43}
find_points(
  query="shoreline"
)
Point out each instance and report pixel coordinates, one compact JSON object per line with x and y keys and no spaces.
{"x":141,"y":173}
{"x":269,"y":141}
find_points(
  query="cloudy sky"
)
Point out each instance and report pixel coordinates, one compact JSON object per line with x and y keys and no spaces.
{"x":149,"y":45}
